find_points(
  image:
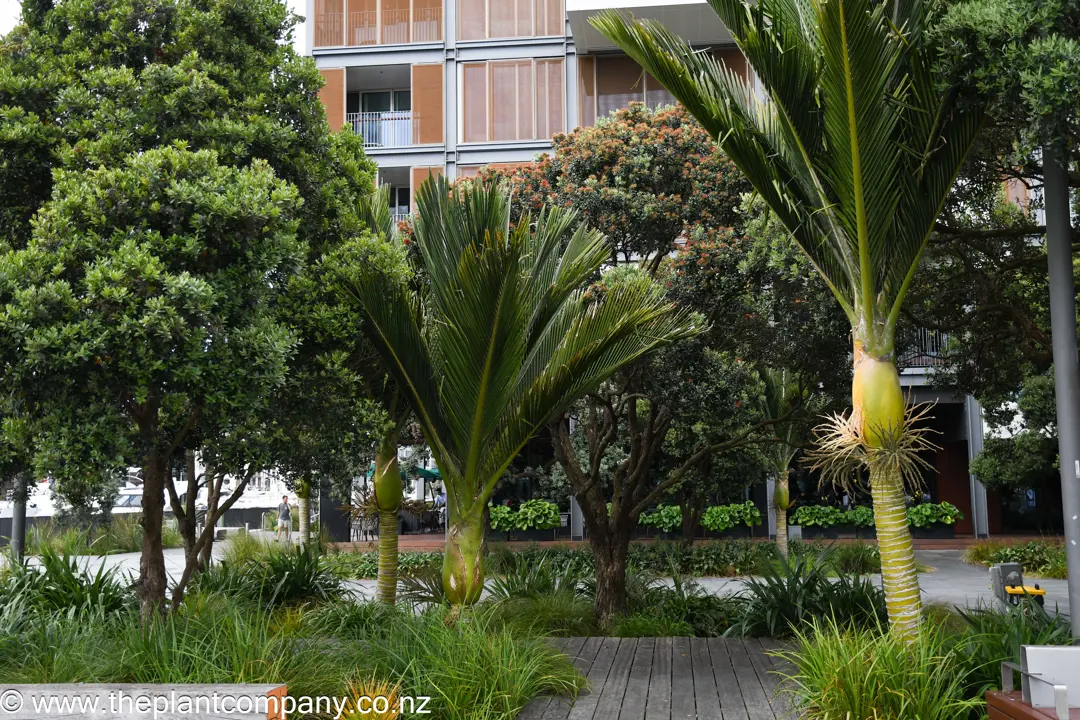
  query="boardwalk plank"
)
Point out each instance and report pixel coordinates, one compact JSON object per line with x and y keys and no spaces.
{"x":611,"y":699}
{"x":682,"y":680}
{"x":754,"y":695}
{"x":559,"y":707}
{"x":732,"y":706}
{"x":637,"y":690}
{"x":535,"y":709}
{"x":706,"y":698}
{"x":586,"y":704}
{"x":658,"y":706}
{"x":782,"y":701}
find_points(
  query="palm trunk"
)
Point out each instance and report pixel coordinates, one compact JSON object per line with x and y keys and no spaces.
{"x":463,"y":561}
{"x":781,"y":500}
{"x":388,"y":491}
{"x":899,"y":574}
{"x":303,"y":509}
{"x":878,"y":405}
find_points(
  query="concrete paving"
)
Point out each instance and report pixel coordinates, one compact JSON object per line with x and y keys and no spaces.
{"x":951,"y":582}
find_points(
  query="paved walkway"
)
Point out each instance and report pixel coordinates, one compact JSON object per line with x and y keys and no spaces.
{"x":669,"y":678}
{"x":952,"y":582}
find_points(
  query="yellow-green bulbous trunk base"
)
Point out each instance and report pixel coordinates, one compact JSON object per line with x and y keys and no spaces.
{"x":463,"y":561}
{"x":877,"y":400}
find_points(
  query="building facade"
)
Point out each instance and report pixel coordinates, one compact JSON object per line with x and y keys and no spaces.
{"x":449,"y":86}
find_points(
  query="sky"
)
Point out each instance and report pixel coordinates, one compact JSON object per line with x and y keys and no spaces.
{"x":9,"y":16}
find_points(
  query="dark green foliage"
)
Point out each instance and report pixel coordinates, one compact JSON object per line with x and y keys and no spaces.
{"x":790,"y":594}
{"x":927,"y":514}
{"x":823,"y":516}
{"x":1038,"y":557}
{"x":995,"y":634}
{"x":365,"y":565}
{"x":424,"y":587}
{"x":288,"y":576}
{"x":563,"y":614}
{"x":534,"y":579}
{"x":649,"y":625}
{"x":61,"y":586}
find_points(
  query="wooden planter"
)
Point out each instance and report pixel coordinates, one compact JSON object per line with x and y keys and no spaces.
{"x":533,"y":535}
{"x":866,"y":533}
{"x":936,"y":531}
{"x":738,"y":532}
{"x":813,"y":532}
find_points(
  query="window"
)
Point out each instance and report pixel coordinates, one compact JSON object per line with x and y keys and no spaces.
{"x":511,"y":100}
{"x":484,"y":19}
{"x":611,"y":82}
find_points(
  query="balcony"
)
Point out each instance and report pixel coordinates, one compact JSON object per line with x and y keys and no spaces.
{"x":386,"y":129}
{"x":924,"y":349}
{"x":388,"y":23}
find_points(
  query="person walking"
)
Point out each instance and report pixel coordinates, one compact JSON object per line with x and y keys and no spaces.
{"x":284,"y":520}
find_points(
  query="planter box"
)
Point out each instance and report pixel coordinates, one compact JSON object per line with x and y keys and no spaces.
{"x":819,"y":533}
{"x":532,"y":535}
{"x":847,"y":531}
{"x":661,"y":535}
{"x":866,"y":532}
{"x":736,"y":533}
{"x":936,"y":531}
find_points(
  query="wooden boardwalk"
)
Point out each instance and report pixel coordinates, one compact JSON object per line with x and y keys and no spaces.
{"x":670,"y":679}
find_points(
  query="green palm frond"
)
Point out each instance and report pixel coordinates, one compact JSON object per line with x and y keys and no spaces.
{"x":853,"y":145}
{"x":509,"y":338}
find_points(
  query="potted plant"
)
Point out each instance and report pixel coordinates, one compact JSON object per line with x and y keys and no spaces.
{"x":536,"y":520}
{"x":502,"y":520}
{"x":665,"y":521}
{"x":731,"y":521}
{"x":933,"y":520}
{"x":818,"y":521}
{"x":862,"y":520}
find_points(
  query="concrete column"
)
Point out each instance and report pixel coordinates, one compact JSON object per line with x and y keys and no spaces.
{"x":573,"y":115}
{"x":974,"y":429}
{"x":770,"y":493}
{"x":1066,"y":370}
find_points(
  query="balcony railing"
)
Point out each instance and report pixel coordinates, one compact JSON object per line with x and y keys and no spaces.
{"x":926,"y":350}
{"x":400,"y":217}
{"x":370,"y":27}
{"x":393,"y":128}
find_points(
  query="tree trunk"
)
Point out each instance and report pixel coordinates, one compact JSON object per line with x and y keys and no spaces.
{"x":878,"y":412}
{"x":303,"y":509}
{"x":388,"y":494}
{"x":610,"y":552}
{"x":213,"y":502}
{"x":692,"y":505}
{"x":463,"y":561}
{"x":151,"y":585}
{"x":781,"y":500}
{"x":899,"y":573}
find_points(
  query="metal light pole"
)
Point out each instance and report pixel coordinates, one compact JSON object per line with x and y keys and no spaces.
{"x":18,"y":518}
{"x":1066,"y":371}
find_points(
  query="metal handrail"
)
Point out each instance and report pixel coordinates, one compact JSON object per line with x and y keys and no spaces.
{"x":1061,"y":692}
{"x":390,"y":128}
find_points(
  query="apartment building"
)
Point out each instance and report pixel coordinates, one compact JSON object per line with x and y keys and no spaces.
{"x":448,"y":86}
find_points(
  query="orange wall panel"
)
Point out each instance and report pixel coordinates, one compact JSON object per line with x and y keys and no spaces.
{"x":333,"y":96}
{"x":420,"y":175}
{"x":427,"y":103}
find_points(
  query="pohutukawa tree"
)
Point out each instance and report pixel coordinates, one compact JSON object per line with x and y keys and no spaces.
{"x":508,"y":339}
{"x":855,"y":147}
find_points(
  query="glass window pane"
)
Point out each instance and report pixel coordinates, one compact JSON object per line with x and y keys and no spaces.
{"x":475,"y":115}
{"x":376,"y":101}
{"x":402,"y":100}
{"x":586,"y":91}
{"x":618,"y":83}
{"x":550,"y":113}
{"x":656,"y":95}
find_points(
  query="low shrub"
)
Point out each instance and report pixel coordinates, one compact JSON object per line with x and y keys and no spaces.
{"x":59,"y":585}
{"x":995,"y":634}
{"x":122,"y":534}
{"x":823,"y":516}
{"x":665,"y":518}
{"x":861,"y":516}
{"x":538,"y":515}
{"x":562,"y":614}
{"x":788,"y":595}
{"x":842,"y":671}
{"x":927,"y":514}
{"x":1037,"y":557}
{"x":649,"y":625}
{"x":282,"y":575}
{"x":537,"y":578}
{"x":719,"y":518}
{"x":365,"y":565}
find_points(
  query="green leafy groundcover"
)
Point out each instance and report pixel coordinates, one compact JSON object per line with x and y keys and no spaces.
{"x":921,"y":516}
{"x":1037,"y":557}
{"x":530,"y":515}
{"x":668,"y":518}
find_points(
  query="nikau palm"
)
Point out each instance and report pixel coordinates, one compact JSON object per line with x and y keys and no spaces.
{"x":784,"y":395}
{"x":855,"y":148}
{"x":509,"y":337}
